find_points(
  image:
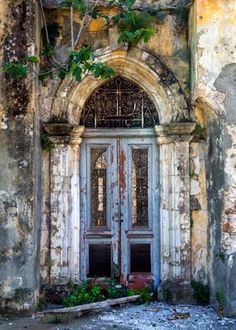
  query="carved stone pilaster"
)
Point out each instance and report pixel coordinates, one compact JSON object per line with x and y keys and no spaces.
{"x":173,"y":140}
{"x":64,"y":201}
{"x":74,"y":195}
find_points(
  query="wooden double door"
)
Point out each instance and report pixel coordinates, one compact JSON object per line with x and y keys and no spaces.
{"x":119,"y":206}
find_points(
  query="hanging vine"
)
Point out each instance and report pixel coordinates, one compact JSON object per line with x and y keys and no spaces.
{"x":133,"y":27}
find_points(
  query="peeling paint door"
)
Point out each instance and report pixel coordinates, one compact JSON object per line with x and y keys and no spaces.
{"x":119,"y":206}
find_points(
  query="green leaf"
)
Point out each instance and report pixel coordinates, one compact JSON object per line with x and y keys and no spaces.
{"x":80,"y":56}
{"x":62,"y":74}
{"x":116,"y":19}
{"x":136,"y":36}
{"x":102,"y":70}
{"x":77,"y":72}
{"x":135,"y":26}
{"x":32,"y":59}
{"x":15,"y":69}
{"x":94,"y":14}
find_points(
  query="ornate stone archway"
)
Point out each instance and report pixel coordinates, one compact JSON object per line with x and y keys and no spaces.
{"x":173,"y":138}
{"x":138,"y":66}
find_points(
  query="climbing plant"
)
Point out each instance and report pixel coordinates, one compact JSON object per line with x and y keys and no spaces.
{"x":133,"y":27}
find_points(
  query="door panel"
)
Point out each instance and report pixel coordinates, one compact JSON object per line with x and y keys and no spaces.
{"x":119,"y":209}
{"x":139,"y":212}
{"x":98,"y":206}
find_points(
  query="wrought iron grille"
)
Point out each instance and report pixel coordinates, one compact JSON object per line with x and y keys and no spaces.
{"x":119,"y":103}
{"x":139,"y":187}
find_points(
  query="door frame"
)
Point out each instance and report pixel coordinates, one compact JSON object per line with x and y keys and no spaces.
{"x":101,"y":136}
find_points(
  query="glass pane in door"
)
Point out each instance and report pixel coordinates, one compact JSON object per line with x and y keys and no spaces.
{"x":98,"y":172}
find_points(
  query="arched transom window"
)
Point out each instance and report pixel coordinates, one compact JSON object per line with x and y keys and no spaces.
{"x":119,"y":103}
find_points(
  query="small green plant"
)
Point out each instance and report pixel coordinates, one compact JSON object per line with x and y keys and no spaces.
{"x":201,"y":293}
{"x":84,"y":294}
{"x":19,"y":69}
{"x":146,"y":295}
{"x":46,"y":142}
{"x":81,"y":63}
{"x":115,"y":290}
{"x":88,"y":293}
{"x":135,"y":26}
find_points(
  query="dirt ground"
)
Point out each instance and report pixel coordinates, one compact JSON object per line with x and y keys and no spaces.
{"x":132,"y":317}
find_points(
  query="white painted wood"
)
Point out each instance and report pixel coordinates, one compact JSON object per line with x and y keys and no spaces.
{"x":153,"y":219}
{"x":76,"y":310}
{"x":88,"y":235}
{"x":119,"y":133}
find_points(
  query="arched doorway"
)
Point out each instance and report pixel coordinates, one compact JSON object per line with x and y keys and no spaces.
{"x":70,"y":199}
{"x":119,"y":185}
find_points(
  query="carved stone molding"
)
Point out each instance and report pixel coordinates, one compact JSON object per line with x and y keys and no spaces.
{"x":64,"y":133}
{"x":174,"y":132}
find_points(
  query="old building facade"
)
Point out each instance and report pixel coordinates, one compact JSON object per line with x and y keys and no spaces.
{"x":140,"y":181}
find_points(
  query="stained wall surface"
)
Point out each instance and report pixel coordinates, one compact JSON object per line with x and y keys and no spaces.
{"x":18,"y":243}
{"x":213,"y":81}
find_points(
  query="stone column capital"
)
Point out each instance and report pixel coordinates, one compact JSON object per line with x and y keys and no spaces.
{"x":64,"y":133}
{"x":174,"y":132}
{"x":76,"y":135}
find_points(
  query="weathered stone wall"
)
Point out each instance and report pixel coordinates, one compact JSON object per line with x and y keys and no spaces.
{"x":18,"y":287}
{"x":199,"y":214}
{"x":214,"y":75}
{"x":211,"y":90}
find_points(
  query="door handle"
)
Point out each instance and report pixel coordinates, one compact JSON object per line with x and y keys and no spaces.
{"x":119,"y":220}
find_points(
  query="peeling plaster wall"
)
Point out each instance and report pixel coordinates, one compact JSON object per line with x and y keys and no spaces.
{"x":199,"y":214}
{"x":214,"y":72}
{"x":18,"y":279}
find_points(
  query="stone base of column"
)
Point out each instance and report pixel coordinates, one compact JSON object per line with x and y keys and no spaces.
{"x":176,"y":292}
